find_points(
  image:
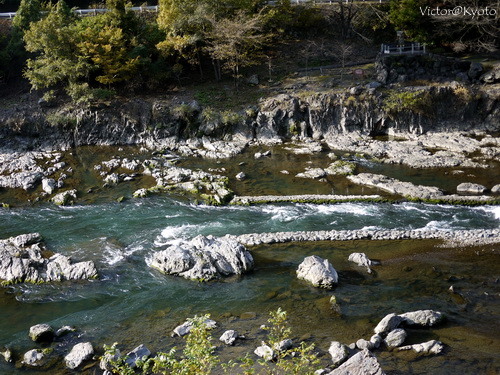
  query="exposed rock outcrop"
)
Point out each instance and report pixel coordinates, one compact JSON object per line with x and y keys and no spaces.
{"x":78,"y":355}
{"x":22,"y":260}
{"x":203,"y":258}
{"x":362,"y":363}
{"x":319,"y":272}
{"x":428,"y":347}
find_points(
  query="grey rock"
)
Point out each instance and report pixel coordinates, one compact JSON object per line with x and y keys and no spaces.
{"x":475,"y":70}
{"x":429,"y":347}
{"x":395,"y":338}
{"x":21,"y":260}
{"x":48,"y":185}
{"x":137,"y":354}
{"x":425,"y":318}
{"x":41,"y":333}
{"x":376,"y":340}
{"x":186,"y":327}
{"x":79,"y":353}
{"x":318,"y":272}
{"x":364,"y":344}
{"x":373,"y":85}
{"x":393,"y":186}
{"x":7,"y":354}
{"x":253,"y":79}
{"x":140,"y":193}
{"x":283,"y":345}
{"x":229,"y":337}
{"x":65,"y":198}
{"x":341,"y":168}
{"x":469,"y":187}
{"x":492,"y":76}
{"x":241,"y":176}
{"x":388,"y":323}
{"x":65,"y":330}
{"x":313,"y":173}
{"x":34,"y":358}
{"x":495,"y":189}
{"x":203,"y":258}
{"x":265,"y":352}
{"x":338,"y":352}
{"x":361,"y":260}
{"x":362,"y":363}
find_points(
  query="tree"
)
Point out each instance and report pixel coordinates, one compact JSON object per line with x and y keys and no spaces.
{"x":236,"y":42}
{"x":105,"y":47}
{"x":29,"y":11}
{"x":406,"y":15}
{"x":54,"y":41}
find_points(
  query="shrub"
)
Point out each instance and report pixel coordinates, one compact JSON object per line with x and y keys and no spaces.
{"x":419,"y":102}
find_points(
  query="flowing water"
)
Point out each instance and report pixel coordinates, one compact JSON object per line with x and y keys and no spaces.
{"x":133,"y":304}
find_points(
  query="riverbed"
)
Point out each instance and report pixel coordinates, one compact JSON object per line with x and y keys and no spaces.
{"x":132,"y":304}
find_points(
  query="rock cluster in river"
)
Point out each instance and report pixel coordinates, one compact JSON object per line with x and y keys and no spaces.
{"x":22,"y":259}
{"x":203,"y":258}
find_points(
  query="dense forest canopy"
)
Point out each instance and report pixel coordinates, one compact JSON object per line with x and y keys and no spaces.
{"x":95,"y":56}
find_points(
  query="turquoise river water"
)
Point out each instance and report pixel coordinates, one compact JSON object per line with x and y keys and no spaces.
{"x":133,"y":304}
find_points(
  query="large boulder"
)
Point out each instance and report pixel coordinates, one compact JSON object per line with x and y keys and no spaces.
{"x":229,"y":337}
{"x":79,"y":354}
{"x":318,"y":272}
{"x":22,"y":259}
{"x":362,"y":363}
{"x":203,"y":258}
{"x":424,"y":318}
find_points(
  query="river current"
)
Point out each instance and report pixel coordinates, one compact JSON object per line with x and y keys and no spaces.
{"x":133,"y":304}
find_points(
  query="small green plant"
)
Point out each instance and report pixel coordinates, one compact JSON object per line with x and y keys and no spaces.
{"x":419,"y":102}
{"x":231,"y":118}
{"x":57,"y":119}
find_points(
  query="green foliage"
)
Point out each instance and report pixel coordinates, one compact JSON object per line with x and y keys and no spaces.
{"x":197,"y":357}
{"x":406,"y":15}
{"x":419,"y":102}
{"x":29,"y":11}
{"x":57,"y":119}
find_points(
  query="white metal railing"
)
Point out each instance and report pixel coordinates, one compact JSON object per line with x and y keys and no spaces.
{"x":92,"y":12}
{"x":406,"y":49}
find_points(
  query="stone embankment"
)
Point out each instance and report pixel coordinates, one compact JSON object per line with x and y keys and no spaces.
{"x":463,"y":237}
{"x":304,"y":198}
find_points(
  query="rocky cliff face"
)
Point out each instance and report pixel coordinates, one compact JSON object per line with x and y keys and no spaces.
{"x":370,"y":110}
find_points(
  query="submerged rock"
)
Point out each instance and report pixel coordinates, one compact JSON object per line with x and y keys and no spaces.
{"x":79,"y":354}
{"x":339,"y":352}
{"x":7,"y":354}
{"x":318,"y":272}
{"x":362,"y":363}
{"x":22,"y":260}
{"x":429,"y":347}
{"x":203,"y":258}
